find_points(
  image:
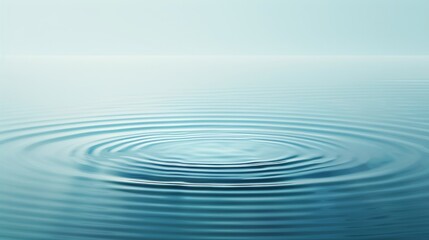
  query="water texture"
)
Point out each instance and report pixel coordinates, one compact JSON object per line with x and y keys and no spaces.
{"x":292,"y":149}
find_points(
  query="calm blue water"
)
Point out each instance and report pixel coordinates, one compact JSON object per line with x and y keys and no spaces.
{"x":214,"y":148}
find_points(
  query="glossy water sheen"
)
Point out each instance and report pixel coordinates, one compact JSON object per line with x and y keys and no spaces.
{"x":214,"y":148}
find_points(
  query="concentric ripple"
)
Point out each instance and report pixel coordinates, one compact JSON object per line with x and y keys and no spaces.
{"x":225,"y":173}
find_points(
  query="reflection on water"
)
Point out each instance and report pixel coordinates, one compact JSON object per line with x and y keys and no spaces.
{"x":214,"y":148}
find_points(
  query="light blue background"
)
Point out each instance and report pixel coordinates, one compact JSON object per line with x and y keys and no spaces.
{"x":225,"y":27}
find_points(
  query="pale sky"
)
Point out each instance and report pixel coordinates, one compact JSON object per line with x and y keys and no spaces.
{"x":219,"y":27}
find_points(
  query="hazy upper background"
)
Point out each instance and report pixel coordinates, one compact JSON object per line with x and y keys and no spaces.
{"x":226,"y":27}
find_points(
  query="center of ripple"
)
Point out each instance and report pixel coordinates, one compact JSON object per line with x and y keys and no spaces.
{"x":203,"y":157}
{"x":216,"y":151}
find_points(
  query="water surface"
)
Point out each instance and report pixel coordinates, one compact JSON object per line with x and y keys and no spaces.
{"x":214,"y":148}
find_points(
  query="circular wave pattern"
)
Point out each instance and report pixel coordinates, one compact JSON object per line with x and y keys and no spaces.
{"x":215,"y":175}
